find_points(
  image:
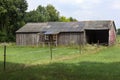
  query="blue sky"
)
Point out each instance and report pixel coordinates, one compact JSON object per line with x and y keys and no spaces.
{"x":83,"y":9}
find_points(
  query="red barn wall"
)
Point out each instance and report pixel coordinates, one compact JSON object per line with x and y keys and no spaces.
{"x":112,"y":36}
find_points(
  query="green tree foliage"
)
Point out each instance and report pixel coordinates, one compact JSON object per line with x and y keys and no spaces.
{"x":38,"y":15}
{"x":118,"y":31}
{"x":46,"y":14}
{"x":72,"y":19}
{"x":64,"y":19}
{"x":11,"y":18}
{"x":31,"y":16}
{"x":43,"y":14}
{"x":53,"y":13}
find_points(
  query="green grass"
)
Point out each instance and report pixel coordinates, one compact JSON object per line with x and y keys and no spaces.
{"x":34,"y":63}
{"x":28,"y":55}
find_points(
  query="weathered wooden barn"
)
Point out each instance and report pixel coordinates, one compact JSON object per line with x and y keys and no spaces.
{"x":67,"y":33}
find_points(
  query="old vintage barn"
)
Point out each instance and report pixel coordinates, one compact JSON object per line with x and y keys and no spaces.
{"x":67,"y":33}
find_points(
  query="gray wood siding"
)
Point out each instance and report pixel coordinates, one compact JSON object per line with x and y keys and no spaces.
{"x":27,"y":39}
{"x":75,"y":38}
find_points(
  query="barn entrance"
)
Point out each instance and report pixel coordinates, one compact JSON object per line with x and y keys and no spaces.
{"x":97,"y":36}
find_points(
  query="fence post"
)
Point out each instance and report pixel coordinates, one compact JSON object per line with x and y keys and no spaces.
{"x":98,"y":43}
{"x":80,"y":45}
{"x":51,"y":49}
{"x":50,"y":38}
{"x":4,"y":57}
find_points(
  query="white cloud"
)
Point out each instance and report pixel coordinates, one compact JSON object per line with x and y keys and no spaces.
{"x":116,"y":5}
{"x":71,"y":1}
{"x":80,"y":15}
{"x":83,"y":9}
{"x":79,"y":1}
{"x":85,"y":4}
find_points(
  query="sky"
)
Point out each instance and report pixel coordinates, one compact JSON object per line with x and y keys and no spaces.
{"x":83,"y":10}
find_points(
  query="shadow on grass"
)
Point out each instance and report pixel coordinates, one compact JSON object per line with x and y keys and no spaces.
{"x":62,"y":71}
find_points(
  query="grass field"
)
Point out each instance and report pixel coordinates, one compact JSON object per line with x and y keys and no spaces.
{"x":34,"y":63}
{"x":29,"y":55}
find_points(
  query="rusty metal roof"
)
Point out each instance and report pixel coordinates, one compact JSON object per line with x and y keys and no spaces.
{"x":58,"y":27}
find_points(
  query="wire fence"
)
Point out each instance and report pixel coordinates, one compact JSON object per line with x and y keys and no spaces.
{"x":29,"y":54}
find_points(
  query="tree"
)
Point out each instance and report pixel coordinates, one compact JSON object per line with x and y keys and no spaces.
{"x":64,"y":19}
{"x":118,"y":31}
{"x":11,"y":18}
{"x":46,"y":14}
{"x":72,"y":19}
{"x":43,"y":14}
{"x":53,"y":13}
{"x":31,"y":16}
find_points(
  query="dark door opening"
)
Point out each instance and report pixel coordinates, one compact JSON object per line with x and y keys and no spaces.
{"x":97,"y":36}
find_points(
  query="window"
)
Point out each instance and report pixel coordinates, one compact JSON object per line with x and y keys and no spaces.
{"x":46,"y":37}
{"x":54,"y":37}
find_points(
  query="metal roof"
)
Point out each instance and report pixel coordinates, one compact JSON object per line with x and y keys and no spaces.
{"x":51,"y":32}
{"x":52,"y":27}
{"x":98,"y":25}
{"x":57,"y":27}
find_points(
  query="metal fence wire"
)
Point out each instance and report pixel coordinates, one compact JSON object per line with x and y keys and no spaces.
{"x":15,"y":54}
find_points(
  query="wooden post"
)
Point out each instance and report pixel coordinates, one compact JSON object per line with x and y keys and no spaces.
{"x":50,"y":38}
{"x":51,"y":50}
{"x":98,"y":43}
{"x":4,"y":57}
{"x":56,"y":40}
{"x":80,"y":45}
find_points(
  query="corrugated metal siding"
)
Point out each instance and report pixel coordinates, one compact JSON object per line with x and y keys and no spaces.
{"x":70,"y":38}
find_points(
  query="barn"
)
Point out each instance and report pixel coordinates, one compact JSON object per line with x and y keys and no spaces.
{"x":67,"y":33}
